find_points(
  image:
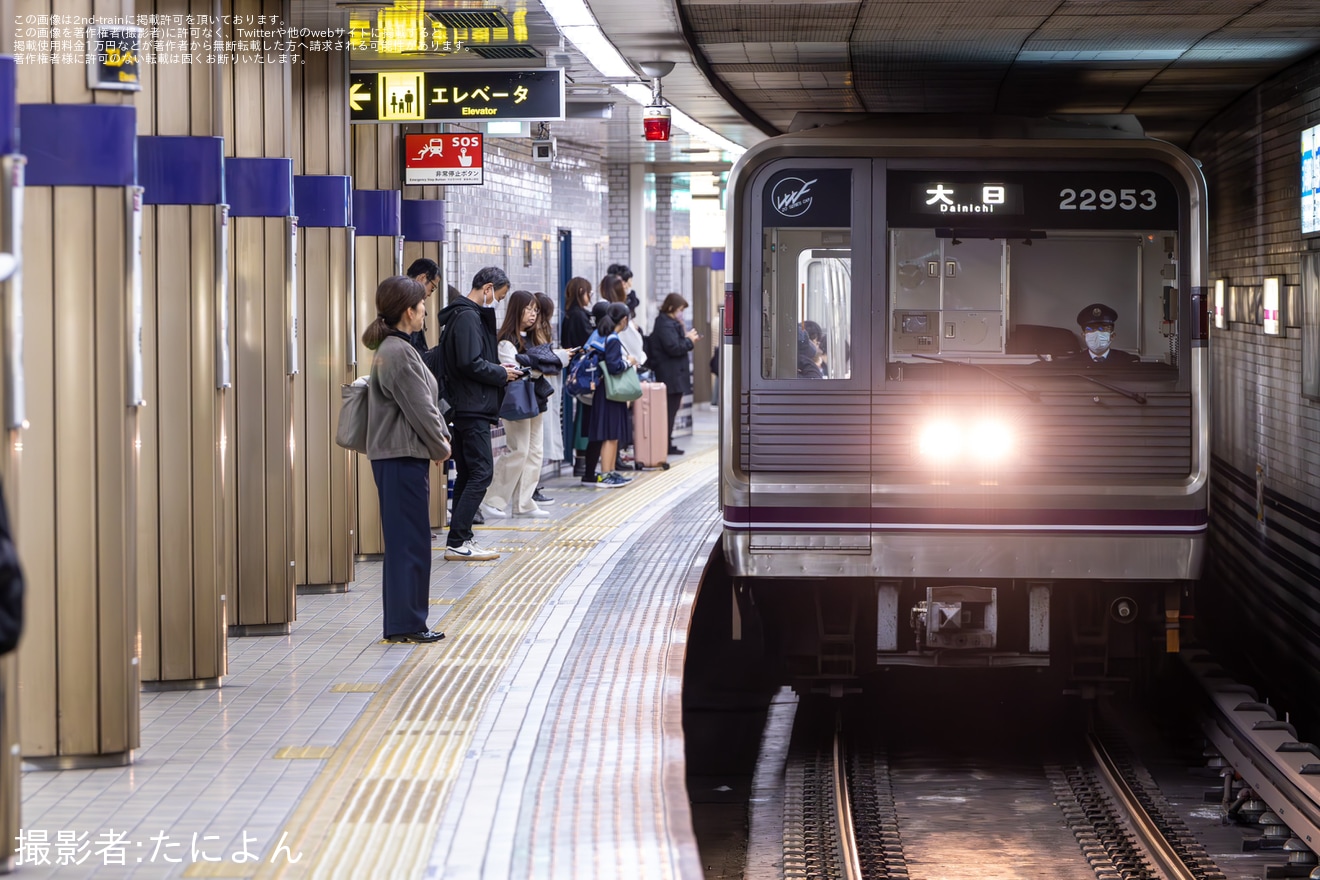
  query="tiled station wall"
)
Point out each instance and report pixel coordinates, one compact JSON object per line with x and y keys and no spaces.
{"x":526,"y":201}
{"x":1260,"y":598}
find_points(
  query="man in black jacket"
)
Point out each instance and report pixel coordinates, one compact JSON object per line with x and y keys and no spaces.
{"x":474,"y":387}
{"x":426,"y":273}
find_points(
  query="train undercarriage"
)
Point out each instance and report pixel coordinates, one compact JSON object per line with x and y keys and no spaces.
{"x":1090,"y":636}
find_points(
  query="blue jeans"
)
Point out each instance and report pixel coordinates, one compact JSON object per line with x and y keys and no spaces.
{"x":404,"y":485}
{"x":475,"y":466}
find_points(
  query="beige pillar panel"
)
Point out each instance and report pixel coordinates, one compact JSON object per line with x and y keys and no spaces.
{"x":175,"y":600}
{"x":206,"y":404}
{"x":279,"y":432}
{"x":337,"y":123}
{"x":147,"y":533}
{"x":300,"y":515}
{"x":11,"y":761}
{"x":180,"y":514}
{"x":246,"y":271}
{"x":313,"y":406}
{"x":75,"y":477}
{"x":342,"y":494}
{"x":263,"y":430}
{"x":116,"y":488}
{"x":33,"y":510}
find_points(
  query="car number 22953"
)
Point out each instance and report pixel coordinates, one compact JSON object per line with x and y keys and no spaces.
{"x":1106,"y":199}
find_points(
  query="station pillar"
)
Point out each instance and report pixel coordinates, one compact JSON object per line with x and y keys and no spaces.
{"x":325,"y":508}
{"x":81,"y":361}
{"x":422,"y":222}
{"x":376,"y":216}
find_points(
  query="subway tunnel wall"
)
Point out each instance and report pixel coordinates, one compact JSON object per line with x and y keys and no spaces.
{"x":1264,"y":564}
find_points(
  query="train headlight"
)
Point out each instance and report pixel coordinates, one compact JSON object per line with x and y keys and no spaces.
{"x":991,"y":441}
{"x":940,"y":441}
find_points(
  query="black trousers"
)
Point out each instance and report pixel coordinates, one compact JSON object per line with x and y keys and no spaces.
{"x":474,"y":464}
{"x":404,"y":485}
{"x":674,"y":401}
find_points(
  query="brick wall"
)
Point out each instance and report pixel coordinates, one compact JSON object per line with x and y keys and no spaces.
{"x":1250,"y":156}
{"x":525,"y":201}
{"x":1256,"y":603}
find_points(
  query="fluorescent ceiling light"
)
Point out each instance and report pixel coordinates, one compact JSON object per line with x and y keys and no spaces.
{"x":574,"y":20}
{"x":598,"y":50}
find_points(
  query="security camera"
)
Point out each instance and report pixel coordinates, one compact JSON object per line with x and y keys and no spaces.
{"x":543,"y":149}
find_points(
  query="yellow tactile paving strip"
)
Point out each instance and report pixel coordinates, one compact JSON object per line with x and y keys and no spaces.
{"x":374,"y":809}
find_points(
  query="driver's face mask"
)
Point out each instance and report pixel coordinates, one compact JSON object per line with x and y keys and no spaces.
{"x":1097,"y":341}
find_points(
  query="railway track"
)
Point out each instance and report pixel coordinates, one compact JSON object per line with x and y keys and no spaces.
{"x":1100,"y":816}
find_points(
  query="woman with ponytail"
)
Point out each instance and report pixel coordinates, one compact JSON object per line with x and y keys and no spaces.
{"x":404,"y":433}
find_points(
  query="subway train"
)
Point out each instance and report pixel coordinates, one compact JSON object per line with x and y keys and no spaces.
{"x":965,"y":396}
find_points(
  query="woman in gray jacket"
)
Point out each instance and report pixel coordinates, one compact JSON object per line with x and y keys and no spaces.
{"x":404,"y":433}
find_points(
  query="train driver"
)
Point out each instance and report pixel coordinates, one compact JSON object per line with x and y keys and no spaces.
{"x":1097,"y":323}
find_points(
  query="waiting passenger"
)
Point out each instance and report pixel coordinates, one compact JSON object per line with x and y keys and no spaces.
{"x":608,"y":424}
{"x":519,"y":468}
{"x":1097,"y":323}
{"x":808,"y":357}
{"x":474,"y":387}
{"x":404,"y":432}
{"x":670,"y":347}
{"x":426,"y":273}
{"x":817,"y":336}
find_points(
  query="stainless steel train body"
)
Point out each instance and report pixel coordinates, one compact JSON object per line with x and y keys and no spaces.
{"x":957,"y":476}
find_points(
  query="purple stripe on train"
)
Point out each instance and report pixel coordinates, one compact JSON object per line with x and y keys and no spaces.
{"x":829,"y":518}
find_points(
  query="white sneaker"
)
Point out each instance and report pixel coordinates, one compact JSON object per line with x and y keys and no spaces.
{"x":491,"y":511}
{"x":536,"y":512}
{"x":469,"y":551}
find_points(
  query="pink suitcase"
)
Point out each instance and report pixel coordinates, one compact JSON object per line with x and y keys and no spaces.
{"x":651,"y":427}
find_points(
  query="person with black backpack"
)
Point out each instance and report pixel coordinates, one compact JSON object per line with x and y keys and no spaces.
{"x":474,"y":381}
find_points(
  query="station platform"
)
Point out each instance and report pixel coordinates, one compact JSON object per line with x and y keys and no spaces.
{"x":542,"y":738}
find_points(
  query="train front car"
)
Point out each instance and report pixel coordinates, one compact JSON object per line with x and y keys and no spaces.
{"x":964,"y":395}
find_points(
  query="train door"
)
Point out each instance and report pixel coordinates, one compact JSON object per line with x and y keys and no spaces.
{"x":807,"y":422}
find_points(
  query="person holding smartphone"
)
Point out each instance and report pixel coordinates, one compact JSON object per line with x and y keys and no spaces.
{"x":670,"y":347}
{"x":518,"y":470}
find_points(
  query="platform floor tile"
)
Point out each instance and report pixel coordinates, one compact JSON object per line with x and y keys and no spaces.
{"x":347,"y":750}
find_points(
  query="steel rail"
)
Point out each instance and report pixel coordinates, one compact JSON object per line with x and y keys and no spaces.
{"x":847,"y":843}
{"x":1282,"y":769}
{"x":1148,"y":833}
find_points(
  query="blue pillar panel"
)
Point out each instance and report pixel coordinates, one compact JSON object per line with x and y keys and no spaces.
{"x":8,"y":106}
{"x":79,"y":144}
{"x":182,"y":170}
{"x":259,"y":187}
{"x":376,"y":212}
{"x":423,"y":219}
{"x":323,"y":200}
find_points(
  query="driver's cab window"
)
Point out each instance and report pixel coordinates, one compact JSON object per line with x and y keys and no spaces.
{"x":807,"y":264}
{"x":1044,"y":296}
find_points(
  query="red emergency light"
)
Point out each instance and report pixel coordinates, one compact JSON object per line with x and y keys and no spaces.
{"x":655,"y":122}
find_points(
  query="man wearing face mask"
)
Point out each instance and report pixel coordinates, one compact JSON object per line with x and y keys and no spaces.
{"x":1097,"y":323}
{"x":474,"y":387}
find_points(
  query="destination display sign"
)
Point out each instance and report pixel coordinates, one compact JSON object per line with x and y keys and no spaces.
{"x":1018,"y":199}
{"x":456,"y":96}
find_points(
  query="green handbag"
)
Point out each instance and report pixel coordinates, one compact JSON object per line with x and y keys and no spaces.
{"x":624,"y":387}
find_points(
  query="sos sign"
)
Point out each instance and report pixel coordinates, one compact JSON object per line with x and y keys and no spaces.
{"x":444,"y":159}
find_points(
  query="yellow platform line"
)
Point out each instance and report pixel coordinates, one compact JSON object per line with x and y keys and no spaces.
{"x":374,"y":809}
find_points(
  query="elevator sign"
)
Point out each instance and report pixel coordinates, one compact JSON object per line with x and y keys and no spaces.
{"x":430,"y":159}
{"x":456,"y":96}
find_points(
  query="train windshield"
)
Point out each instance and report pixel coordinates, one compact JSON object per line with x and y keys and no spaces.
{"x":1065,"y":298}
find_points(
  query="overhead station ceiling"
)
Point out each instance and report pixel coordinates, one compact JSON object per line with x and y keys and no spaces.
{"x":745,"y":69}
{"x":1171,"y":63}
